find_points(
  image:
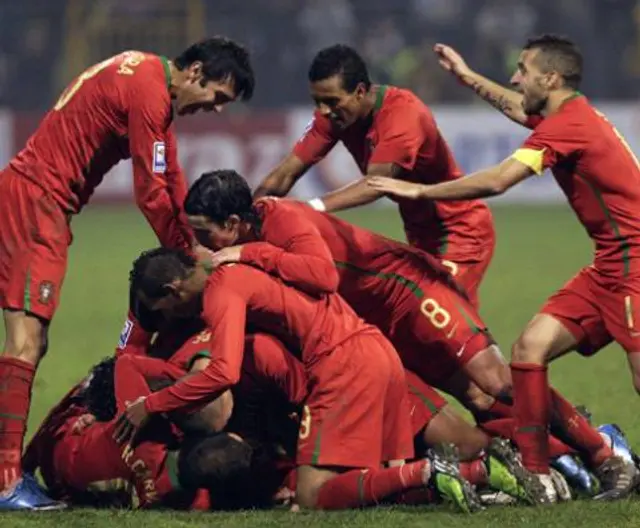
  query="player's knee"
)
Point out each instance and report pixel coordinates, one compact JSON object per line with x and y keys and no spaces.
{"x":530,"y":347}
{"x":309,"y":483}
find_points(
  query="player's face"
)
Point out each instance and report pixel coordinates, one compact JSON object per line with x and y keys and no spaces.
{"x":213,"y":235}
{"x":332,"y":101}
{"x":531,"y":82}
{"x":196,"y":94}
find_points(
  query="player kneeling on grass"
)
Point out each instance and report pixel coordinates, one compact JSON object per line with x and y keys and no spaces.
{"x":81,"y":463}
{"x":600,"y":176}
{"x":404,"y":291}
{"x":356,"y":413}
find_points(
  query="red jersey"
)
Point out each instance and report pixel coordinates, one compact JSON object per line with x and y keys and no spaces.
{"x":117,"y":109}
{"x":402,"y":131}
{"x":600,"y":176}
{"x":372,"y":269}
{"x":236,"y":295}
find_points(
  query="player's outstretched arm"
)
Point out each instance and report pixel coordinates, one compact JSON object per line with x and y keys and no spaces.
{"x":483,"y":184}
{"x":509,"y":102}
{"x":281,"y":179}
{"x":358,"y":192}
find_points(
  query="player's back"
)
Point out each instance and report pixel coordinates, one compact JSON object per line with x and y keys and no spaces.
{"x":87,"y":131}
{"x":373,"y":269}
{"x":600,"y":175}
{"x":306,"y":325}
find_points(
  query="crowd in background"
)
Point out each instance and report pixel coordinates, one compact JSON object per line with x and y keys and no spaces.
{"x":395,"y":37}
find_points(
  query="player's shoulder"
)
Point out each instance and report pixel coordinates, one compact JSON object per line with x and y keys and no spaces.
{"x":400,"y":107}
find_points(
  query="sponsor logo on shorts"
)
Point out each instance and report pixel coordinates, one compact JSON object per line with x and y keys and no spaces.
{"x":46,"y":291}
{"x":159,"y":157}
{"x":124,"y":335}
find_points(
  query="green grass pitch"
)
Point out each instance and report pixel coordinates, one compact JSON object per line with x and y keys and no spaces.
{"x":538,"y":249}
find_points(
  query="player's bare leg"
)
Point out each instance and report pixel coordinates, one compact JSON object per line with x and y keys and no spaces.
{"x":25,"y":344}
{"x":537,"y":405}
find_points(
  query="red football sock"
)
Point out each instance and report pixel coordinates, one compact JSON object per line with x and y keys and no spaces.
{"x":16,"y":380}
{"x":503,"y":427}
{"x":532,"y":402}
{"x":474,"y":471}
{"x":558,"y":448}
{"x":575,"y":430}
{"x":357,"y":488}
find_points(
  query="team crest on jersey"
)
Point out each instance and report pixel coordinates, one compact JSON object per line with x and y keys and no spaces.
{"x":45,"y":292}
{"x":159,"y":157}
{"x":124,"y":335}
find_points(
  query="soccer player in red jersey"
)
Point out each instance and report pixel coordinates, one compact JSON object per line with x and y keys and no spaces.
{"x":389,"y":132}
{"x":600,"y":177}
{"x":121,"y":108}
{"x":168,"y":472}
{"x":355,"y":415}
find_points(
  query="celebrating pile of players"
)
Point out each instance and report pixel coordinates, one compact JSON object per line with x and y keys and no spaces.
{"x":275,"y":355}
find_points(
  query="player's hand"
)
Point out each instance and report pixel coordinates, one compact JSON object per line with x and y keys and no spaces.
{"x":82,"y":423}
{"x":451,"y":60}
{"x":226,"y":256}
{"x":131,"y":421}
{"x":202,"y":254}
{"x":399,"y":188}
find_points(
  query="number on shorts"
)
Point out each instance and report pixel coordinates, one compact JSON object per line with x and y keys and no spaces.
{"x":451,"y":266}
{"x":437,"y":315}
{"x":621,"y":138}
{"x":202,"y":337}
{"x":305,"y":423}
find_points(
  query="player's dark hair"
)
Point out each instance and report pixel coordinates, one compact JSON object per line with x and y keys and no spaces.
{"x":219,"y":463}
{"x":221,"y":59}
{"x":558,"y":54}
{"x":99,"y":396}
{"x":218,"y":195}
{"x":340,"y":60}
{"x":155,"y":269}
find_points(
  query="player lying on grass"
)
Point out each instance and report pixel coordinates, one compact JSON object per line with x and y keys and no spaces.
{"x":432,"y":419}
{"x":356,"y":410}
{"x":119,"y":109}
{"x":82,"y":464}
{"x":389,"y":132}
{"x":402,"y":290}
{"x":600,"y":176}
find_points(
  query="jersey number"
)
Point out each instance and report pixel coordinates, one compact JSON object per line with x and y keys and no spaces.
{"x":437,"y":315}
{"x":131,"y":60}
{"x":621,"y":138}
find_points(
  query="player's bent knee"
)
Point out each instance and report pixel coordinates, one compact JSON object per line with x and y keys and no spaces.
{"x":25,"y":336}
{"x":530,"y":348}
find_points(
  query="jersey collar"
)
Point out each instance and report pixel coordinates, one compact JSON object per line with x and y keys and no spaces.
{"x":382,"y":89}
{"x":167,"y":70}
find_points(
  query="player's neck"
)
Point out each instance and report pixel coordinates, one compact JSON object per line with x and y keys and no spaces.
{"x":174,"y":72}
{"x":557,"y":99}
{"x":369,"y":102}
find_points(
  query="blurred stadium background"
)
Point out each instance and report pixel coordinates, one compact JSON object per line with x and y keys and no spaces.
{"x":45,"y":43}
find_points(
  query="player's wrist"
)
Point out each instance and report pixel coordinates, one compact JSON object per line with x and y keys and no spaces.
{"x":317,"y":204}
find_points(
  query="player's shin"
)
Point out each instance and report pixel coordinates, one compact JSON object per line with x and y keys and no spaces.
{"x":532,"y":410}
{"x":16,"y":380}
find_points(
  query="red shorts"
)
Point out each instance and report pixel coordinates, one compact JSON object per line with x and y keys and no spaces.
{"x":438,"y":332}
{"x":424,"y":402}
{"x":598,"y":310}
{"x":34,"y":240}
{"x":469,"y":275}
{"x":356,"y":414}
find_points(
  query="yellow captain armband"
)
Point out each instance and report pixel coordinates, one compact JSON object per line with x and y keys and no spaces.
{"x":531,"y":158}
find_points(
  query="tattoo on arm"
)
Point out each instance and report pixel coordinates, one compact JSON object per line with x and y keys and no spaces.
{"x":500,"y":102}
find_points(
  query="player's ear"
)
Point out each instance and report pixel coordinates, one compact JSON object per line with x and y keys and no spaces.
{"x":195,"y":71}
{"x":232,"y":222}
{"x":361,"y":90}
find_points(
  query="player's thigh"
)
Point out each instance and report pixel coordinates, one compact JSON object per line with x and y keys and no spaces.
{"x":571,"y":319}
{"x":34,"y":238}
{"x":342,"y":419}
{"x":487,"y":368}
{"x":425,"y":403}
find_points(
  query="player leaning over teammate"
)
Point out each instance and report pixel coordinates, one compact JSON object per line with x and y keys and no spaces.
{"x":120,"y":108}
{"x":389,"y":132}
{"x":600,"y":176}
